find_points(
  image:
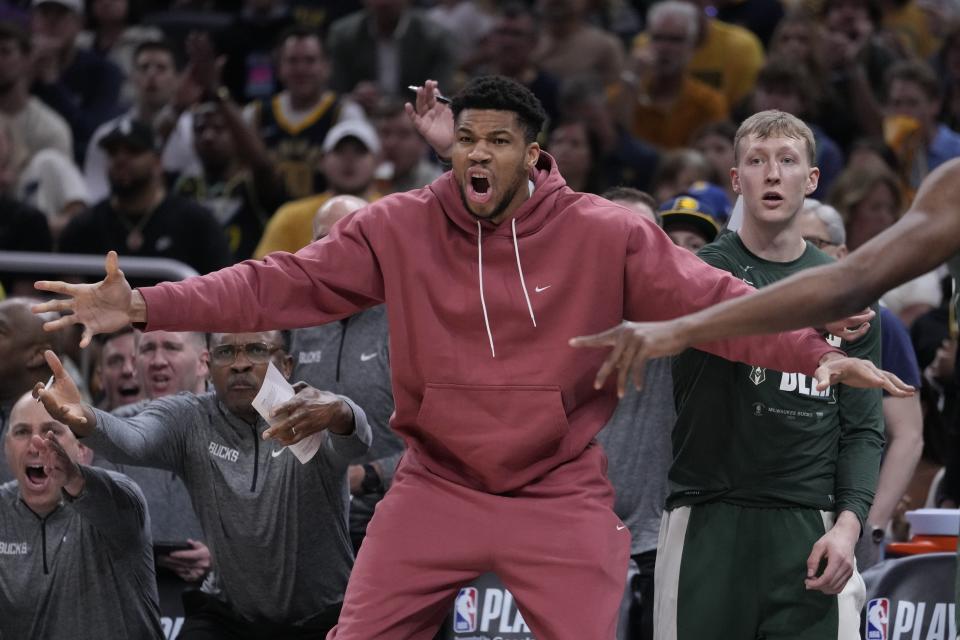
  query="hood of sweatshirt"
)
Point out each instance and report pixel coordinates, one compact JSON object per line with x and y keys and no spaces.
{"x":539,"y":209}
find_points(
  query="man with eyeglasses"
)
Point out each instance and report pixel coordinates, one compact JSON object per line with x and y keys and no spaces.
{"x":264,"y":515}
{"x":822,"y":226}
{"x":668,"y":104}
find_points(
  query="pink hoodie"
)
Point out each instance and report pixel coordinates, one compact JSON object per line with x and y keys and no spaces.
{"x":488,"y":392}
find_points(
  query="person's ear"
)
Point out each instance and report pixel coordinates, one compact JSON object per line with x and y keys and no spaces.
{"x":84,"y":454}
{"x":813,"y":179}
{"x":735,"y":180}
{"x":286,"y":366}
{"x":533,"y":154}
{"x":35,"y":359}
{"x":203,"y":365}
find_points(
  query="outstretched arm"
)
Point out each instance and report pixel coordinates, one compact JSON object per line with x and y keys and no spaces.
{"x":329,"y":279}
{"x":926,"y":237}
{"x":154,"y":437}
{"x":112,"y":503}
{"x":684,"y":283}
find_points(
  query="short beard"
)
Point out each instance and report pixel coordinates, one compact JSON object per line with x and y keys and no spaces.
{"x":504,"y":201}
{"x":130,"y":189}
{"x":214,"y":168}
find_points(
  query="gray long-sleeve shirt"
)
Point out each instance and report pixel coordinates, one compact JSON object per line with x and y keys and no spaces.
{"x":352,"y":358}
{"x":277,"y":529}
{"x":171,"y":514}
{"x":85,"y":570}
{"x":637,"y":442}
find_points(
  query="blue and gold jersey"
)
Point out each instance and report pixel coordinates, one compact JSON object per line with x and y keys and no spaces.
{"x":297,"y":148}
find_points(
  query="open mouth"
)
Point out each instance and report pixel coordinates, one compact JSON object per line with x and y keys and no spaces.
{"x":36,"y":476}
{"x":160,"y":381}
{"x":772,"y":197}
{"x":129,"y":392}
{"x":478,"y":188}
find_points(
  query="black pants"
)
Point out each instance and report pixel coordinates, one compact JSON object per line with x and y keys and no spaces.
{"x":208,"y":618}
{"x":641,"y":611}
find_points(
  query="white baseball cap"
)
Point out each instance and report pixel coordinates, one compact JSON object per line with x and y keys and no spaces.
{"x":352,"y":128}
{"x":74,"y":5}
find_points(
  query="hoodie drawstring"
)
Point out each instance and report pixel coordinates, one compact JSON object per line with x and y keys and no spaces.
{"x":516,"y":250}
{"x":523,"y":284}
{"x":483,"y":302}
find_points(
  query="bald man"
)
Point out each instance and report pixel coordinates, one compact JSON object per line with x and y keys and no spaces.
{"x":75,"y":551}
{"x":332,"y":211}
{"x":351,"y":358}
{"x":22,"y":343}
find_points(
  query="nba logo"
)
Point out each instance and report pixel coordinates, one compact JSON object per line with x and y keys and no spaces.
{"x":878,"y":614}
{"x":465,"y":610}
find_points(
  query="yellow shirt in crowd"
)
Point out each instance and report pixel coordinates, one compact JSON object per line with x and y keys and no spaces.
{"x":291,"y":227}
{"x":728,"y":59}
{"x":672,"y":127}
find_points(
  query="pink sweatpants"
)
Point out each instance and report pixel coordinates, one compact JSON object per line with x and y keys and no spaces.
{"x":556,"y":544}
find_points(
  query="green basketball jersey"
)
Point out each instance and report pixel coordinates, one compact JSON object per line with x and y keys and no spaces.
{"x":758,"y":437}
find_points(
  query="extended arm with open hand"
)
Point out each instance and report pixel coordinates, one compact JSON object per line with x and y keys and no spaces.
{"x":330,"y":279}
{"x":924,"y":238}
{"x":683,"y":284}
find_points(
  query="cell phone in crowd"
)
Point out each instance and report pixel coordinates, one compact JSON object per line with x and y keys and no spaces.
{"x":166,"y":547}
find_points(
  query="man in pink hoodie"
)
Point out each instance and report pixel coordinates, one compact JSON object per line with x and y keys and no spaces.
{"x":487,"y":273}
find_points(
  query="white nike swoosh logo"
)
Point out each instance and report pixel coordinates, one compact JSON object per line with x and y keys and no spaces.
{"x":367,"y":356}
{"x":539,"y":289}
{"x":277,"y":452}
{"x":621,"y":527}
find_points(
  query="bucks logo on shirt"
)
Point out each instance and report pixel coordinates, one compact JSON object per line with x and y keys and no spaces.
{"x":759,"y":437}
